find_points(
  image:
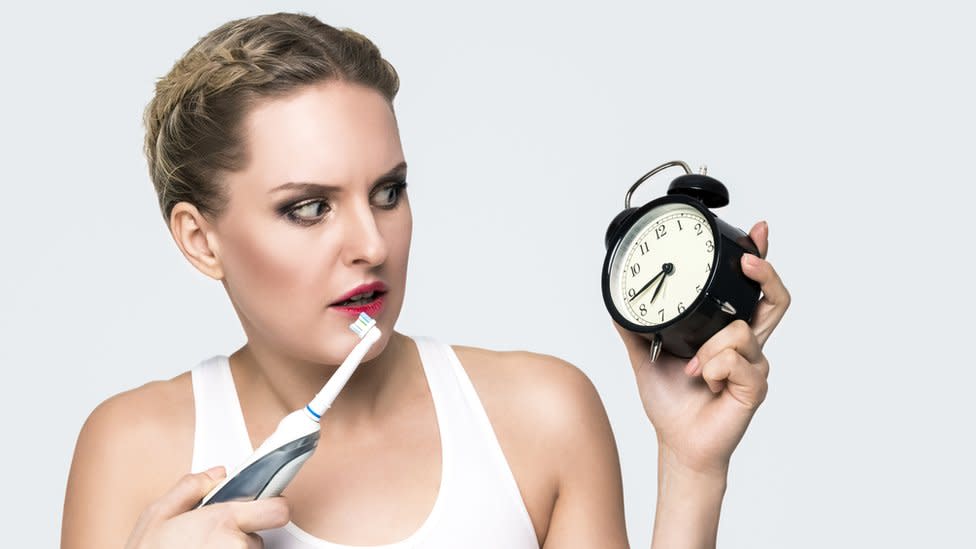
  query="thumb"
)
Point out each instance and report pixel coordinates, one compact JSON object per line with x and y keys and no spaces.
{"x":188,"y":492}
{"x":261,"y":514}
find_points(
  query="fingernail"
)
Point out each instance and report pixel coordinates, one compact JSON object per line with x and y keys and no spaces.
{"x":750,"y":260}
{"x":692,"y":366}
{"x":765,"y":227}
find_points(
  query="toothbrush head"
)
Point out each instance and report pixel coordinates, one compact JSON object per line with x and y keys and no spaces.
{"x":362,"y":325}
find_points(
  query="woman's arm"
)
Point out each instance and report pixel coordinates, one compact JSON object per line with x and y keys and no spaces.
{"x":700,"y":408}
{"x":128,"y":484}
{"x":589,"y":508}
{"x":688,"y":504}
{"x":127,"y":455}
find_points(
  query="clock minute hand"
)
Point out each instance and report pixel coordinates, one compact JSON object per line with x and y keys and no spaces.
{"x":666,"y":269}
{"x":646,"y":286}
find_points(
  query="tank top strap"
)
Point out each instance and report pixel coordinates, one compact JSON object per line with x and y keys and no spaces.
{"x":220,"y":436}
{"x":456,"y":412}
{"x":437,"y":359}
{"x":481,"y":472}
{"x":441,"y":383}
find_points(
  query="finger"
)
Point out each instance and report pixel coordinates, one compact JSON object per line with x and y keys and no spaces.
{"x":187,"y":492}
{"x":255,"y":541}
{"x":775,"y":300}
{"x":730,"y":371}
{"x":638,"y":348}
{"x":261,"y":514}
{"x":759,"y":233}
{"x":737,"y":336}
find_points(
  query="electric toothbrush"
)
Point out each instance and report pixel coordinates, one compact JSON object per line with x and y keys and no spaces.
{"x":272,"y":466}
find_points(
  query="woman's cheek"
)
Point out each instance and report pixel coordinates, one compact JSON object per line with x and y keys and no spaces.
{"x":270,"y":280}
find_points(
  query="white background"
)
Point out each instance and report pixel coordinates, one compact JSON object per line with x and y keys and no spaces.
{"x":847,"y":125}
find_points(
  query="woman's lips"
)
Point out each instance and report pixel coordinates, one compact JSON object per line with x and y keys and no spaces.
{"x":372,"y":308}
{"x":377,"y":287}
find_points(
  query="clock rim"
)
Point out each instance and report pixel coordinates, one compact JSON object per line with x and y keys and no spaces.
{"x":617,"y":238}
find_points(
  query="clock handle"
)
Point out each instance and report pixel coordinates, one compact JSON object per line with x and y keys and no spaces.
{"x":647,"y":176}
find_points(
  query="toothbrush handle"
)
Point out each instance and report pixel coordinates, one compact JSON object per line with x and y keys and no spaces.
{"x":268,"y":475}
{"x":327,"y":395}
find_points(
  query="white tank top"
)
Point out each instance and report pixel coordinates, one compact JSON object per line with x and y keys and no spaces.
{"x":478,"y":504}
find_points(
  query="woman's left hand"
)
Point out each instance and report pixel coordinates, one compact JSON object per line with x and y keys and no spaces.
{"x":701,"y":407}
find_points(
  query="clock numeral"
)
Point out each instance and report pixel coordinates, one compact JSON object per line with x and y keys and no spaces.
{"x":631,"y":292}
{"x":660,"y":231}
{"x":680,"y":228}
{"x":709,"y":246}
{"x":634,"y":269}
{"x":698,"y":289}
{"x":643,"y":310}
{"x":681,"y":307}
{"x":661,"y":312}
{"x":644,"y":248}
{"x":698,"y":229}
{"x":708,"y":267}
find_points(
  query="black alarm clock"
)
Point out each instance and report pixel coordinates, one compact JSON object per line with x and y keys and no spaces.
{"x":673,"y":270}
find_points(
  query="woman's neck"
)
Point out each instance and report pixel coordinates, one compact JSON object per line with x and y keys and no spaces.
{"x":271,"y":386}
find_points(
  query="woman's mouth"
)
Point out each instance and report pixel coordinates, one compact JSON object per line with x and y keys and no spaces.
{"x":359,"y":300}
{"x":364,"y":299}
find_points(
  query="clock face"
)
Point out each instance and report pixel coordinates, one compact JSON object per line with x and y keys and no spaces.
{"x":662,"y":264}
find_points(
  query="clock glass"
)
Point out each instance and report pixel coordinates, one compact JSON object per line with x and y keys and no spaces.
{"x":662,"y":264}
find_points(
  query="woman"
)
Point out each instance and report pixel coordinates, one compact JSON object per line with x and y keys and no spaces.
{"x":275,"y":153}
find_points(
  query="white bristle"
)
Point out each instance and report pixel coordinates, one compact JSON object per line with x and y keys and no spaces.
{"x":362,"y":325}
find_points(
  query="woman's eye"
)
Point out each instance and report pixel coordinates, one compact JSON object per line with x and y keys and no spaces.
{"x":388,"y":197}
{"x":308,"y":212}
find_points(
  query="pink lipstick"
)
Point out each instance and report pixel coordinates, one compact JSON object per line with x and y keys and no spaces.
{"x":366,"y":298}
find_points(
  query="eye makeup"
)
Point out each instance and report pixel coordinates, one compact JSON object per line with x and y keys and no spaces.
{"x":316,"y":197}
{"x":311,"y":207}
{"x":296,"y":211}
{"x":395,"y":189}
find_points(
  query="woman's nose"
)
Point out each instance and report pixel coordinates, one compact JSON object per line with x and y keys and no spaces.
{"x":363,"y":242}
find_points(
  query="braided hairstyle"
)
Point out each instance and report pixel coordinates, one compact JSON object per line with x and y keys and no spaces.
{"x":193,"y":120}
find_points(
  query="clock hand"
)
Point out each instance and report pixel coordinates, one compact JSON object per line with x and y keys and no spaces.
{"x":666,"y":269}
{"x":646,"y":286}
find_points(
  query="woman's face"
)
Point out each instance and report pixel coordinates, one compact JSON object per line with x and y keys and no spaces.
{"x":318,"y":213}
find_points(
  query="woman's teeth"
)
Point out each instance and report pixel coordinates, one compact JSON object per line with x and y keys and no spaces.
{"x":360,"y":299}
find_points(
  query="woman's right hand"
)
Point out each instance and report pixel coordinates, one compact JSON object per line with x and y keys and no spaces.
{"x":172,"y":521}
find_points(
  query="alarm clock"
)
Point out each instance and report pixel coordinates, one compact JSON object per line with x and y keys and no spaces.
{"x":673,"y":271}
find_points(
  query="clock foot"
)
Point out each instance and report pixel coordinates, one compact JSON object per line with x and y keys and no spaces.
{"x":656,"y":345}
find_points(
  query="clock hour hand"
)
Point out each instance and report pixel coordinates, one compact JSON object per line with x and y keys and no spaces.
{"x":666,"y":269}
{"x":646,"y":286}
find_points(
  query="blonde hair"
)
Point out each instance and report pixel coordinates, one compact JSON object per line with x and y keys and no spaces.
{"x":193,"y":121}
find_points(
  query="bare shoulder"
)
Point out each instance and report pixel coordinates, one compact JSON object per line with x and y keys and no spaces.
{"x":131,"y":449}
{"x":557,"y":438}
{"x":554,"y":391}
{"x":147,"y":431}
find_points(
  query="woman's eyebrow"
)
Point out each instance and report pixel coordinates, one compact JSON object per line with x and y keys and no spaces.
{"x":398,"y":170}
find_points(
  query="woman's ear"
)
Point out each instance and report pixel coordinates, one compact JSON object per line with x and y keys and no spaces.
{"x":195,"y":238}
